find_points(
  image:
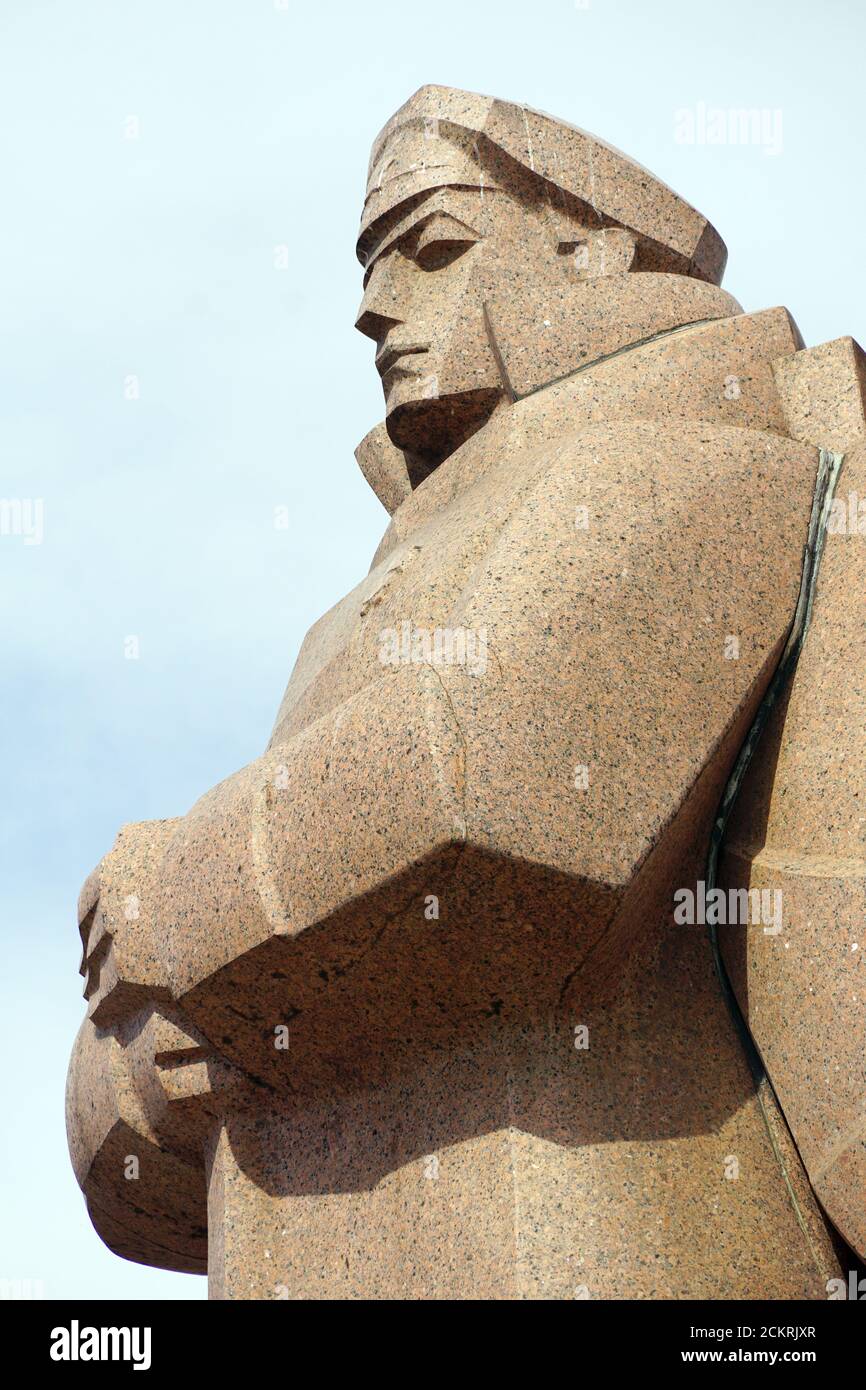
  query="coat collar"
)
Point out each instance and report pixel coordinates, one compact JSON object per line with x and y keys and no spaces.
{"x":537,"y":344}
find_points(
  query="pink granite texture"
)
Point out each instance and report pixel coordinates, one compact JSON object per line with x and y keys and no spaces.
{"x":402,"y":1008}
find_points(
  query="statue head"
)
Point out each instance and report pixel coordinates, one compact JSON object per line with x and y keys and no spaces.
{"x":473,"y":202}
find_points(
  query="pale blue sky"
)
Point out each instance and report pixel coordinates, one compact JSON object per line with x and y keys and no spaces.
{"x":154,"y":257}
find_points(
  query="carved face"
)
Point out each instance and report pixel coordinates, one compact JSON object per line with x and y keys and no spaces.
{"x":439,"y":260}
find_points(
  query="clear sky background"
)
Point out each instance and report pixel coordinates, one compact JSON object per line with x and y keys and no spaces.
{"x":154,"y":257}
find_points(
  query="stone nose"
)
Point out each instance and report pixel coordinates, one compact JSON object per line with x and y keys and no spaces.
{"x":375,"y":325}
{"x":380,"y":308}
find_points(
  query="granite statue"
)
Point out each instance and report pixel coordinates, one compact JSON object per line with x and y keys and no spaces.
{"x":407,"y":1008}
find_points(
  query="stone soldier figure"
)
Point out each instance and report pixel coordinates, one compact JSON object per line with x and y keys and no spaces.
{"x":404,"y":1008}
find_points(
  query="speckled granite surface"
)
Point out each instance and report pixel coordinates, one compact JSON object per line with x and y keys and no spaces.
{"x":800,"y":827}
{"x":402,"y":1009}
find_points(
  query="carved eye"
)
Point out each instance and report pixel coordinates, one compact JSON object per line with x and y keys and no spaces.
{"x":437,"y":254}
{"x":441,"y":240}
